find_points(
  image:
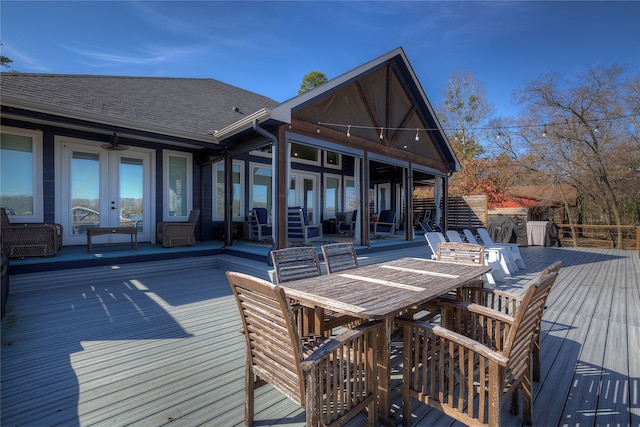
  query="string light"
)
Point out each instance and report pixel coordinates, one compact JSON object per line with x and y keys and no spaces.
{"x":487,"y":128}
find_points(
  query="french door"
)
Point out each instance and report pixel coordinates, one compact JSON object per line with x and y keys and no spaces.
{"x":103,"y":188}
{"x":304,"y":191}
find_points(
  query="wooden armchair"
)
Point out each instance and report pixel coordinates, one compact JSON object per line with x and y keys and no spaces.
{"x":299,"y":228}
{"x":301,"y":263}
{"x":508,"y":303}
{"x":29,"y":240}
{"x":333,"y":379}
{"x":339,"y":257}
{"x":469,"y":378}
{"x":171,"y":234}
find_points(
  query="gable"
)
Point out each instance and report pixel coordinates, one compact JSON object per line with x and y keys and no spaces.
{"x":375,"y":103}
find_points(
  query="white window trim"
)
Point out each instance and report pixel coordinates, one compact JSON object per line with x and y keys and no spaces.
{"x":37,"y":177}
{"x":253,"y":165}
{"x":188,"y":191}
{"x":340,"y":189}
{"x":328,"y":165}
{"x":241,"y":215}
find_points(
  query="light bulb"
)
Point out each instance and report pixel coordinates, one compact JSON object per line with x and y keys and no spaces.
{"x":381,"y":136}
{"x":349,"y":131}
{"x":417,"y":136}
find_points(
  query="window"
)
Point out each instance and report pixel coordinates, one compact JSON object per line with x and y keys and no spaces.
{"x":350,"y":194}
{"x":332,"y":195}
{"x":332,"y":160}
{"x":305,"y":154}
{"x":178,"y":185}
{"x":261,"y":186}
{"x":218,"y":191}
{"x":21,"y":190}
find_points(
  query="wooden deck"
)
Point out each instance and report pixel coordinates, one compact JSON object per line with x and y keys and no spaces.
{"x":157,"y":343}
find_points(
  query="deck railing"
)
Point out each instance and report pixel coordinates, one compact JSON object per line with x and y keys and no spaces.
{"x":600,"y":236}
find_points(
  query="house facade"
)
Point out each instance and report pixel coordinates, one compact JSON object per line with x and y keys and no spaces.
{"x":87,"y":151}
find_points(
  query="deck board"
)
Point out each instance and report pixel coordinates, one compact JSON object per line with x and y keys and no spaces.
{"x":158,"y":343}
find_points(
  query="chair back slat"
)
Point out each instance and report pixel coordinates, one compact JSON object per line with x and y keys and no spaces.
{"x":339,"y":256}
{"x":460,"y":252}
{"x":295,"y":263}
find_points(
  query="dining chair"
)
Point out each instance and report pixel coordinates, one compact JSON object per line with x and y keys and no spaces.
{"x":333,"y":379}
{"x":508,"y":303}
{"x":469,"y":377}
{"x":171,"y":234}
{"x":301,"y":263}
{"x":492,"y":256}
{"x":513,"y":247}
{"x":339,"y":256}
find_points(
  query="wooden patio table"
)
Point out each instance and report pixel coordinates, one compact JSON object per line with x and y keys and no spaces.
{"x":382,"y":291}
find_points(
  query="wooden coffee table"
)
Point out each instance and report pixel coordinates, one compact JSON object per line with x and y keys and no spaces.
{"x":99,"y":231}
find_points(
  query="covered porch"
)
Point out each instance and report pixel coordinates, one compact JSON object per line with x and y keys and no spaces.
{"x":158,"y":342}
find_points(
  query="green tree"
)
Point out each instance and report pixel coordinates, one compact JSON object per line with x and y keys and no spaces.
{"x":312,"y":80}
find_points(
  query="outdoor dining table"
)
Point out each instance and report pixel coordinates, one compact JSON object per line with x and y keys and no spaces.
{"x":382,"y":291}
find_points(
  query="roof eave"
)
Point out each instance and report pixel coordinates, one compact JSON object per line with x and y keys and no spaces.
{"x":242,"y":124}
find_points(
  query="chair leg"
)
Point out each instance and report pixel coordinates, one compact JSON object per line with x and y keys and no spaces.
{"x":249,"y":387}
{"x":536,"y":359}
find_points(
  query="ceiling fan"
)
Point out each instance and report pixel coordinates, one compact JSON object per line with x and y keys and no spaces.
{"x":115,"y":144}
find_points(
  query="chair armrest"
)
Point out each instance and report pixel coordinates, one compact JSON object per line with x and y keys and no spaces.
{"x":330,"y":346}
{"x":485,"y":325}
{"x":448,"y":335}
{"x":505,"y":302}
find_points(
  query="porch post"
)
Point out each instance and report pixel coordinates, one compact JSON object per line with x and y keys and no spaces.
{"x":228,"y":198}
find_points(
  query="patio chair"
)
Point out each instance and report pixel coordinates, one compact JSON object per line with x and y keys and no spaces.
{"x":171,"y":234}
{"x":346,"y":222}
{"x":508,"y":303}
{"x":299,"y":228}
{"x":505,"y":254}
{"x":468,"y":378}
{"x":339,"y":257}
{"x":29,"y":240}
{"x":515,"y":251}
{"x":425,"y":227}
{"x":433,"y":238}
{"x":333,"y":379}
{"x":493,"y":255}
{"x":386,"y":223}
{"x":260,"y":226}
{"x":301,"y":263}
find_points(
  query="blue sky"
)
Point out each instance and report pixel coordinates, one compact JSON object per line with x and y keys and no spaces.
{"x":267,"y":47}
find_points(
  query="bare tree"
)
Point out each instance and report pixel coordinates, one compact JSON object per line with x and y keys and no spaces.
{"x":463,"y":115}
{"x":581,"y":132}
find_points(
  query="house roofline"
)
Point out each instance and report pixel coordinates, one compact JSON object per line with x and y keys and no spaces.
{"x":70,"y":113}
